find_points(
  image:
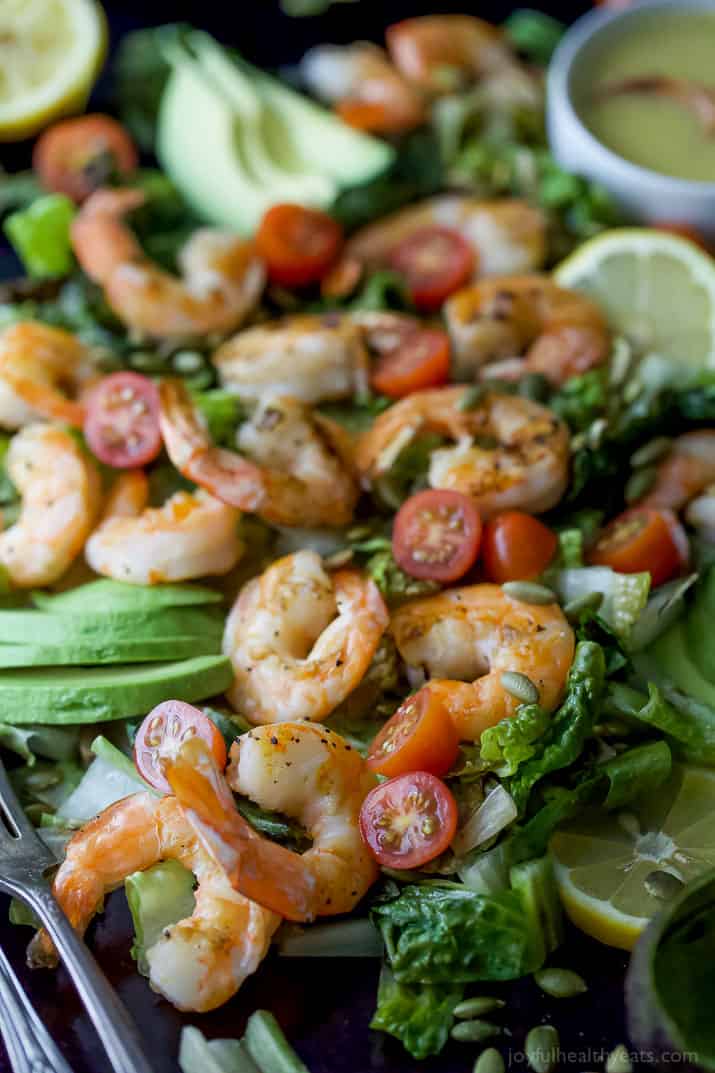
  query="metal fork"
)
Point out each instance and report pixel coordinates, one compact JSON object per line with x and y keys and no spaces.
{"x":29,"y":1045}
{"x":24,"y":859}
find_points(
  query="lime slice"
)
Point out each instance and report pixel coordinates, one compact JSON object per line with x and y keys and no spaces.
{"x":602,"y":861}
{"x":657,"y":290}
{"x":50,"y":54}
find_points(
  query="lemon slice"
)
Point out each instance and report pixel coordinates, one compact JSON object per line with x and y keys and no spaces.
{"x":50,"y":54}
{"x":657,"y":290}
{"x":604,"y":863}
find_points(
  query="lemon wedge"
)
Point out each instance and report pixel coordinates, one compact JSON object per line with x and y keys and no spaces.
{"x":50,"y":54}
{"x":610,"y":869}
{"x":657,"y":290}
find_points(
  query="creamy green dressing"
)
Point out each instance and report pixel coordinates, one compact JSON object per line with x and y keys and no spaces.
{"x":652,"y":131}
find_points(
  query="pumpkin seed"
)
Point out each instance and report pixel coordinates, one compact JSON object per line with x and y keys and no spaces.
{"x":534,"y":386}
{"x":632,"y":390}
{"x":186,"y":362}
{"x":528,"y":592}
{"x":619,"y":1060}
{"x":338,"y":558}
{"x":663,"y":885}
{"x":471,"y":398}
{"x":146,"y":361}
{"x":474,"y":1031}
{"x":542,"y":1048}
{"x":474,"y":1007}
{"x":651,"y":452}
{"x":595,"y":432}
{"x":560,"y":983}
{"x":590,"y":601}
{"x":499,"y":386}
{"x":630,"y":823}
{"x":639,"y":484}
{"x":520,"y":686}
{"x":489,"y":1061}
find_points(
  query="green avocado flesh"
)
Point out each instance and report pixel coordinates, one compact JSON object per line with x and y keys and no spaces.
{"x":95,"y":628}
{"x":108,"y":595}
{"x":150,"y":650}
{"x":94,"y":694}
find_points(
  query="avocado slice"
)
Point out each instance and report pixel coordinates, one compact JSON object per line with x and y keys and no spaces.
{"x":130,"y":625}
{"x":149,"y":650}
{"x":105,"y":594}
{"x":95,"y":694}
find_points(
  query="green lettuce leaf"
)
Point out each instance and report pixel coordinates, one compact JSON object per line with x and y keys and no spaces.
{"x":40,"y":235}
{"x":157,"y":898}
{"x":419,"y":1015}
{"x":688,"y":724}
{"x":512,"y":741}
{"x":581,"y":399}
{"x":624,"y":595}
{"x":534,"y":34}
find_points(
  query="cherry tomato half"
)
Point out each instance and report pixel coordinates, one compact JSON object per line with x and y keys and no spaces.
{"x":122,"y":422}
{"x":420,"y":736}
{"x":516,"y":547}
{"x":299,"y":245}
{"x":162,"y":733}
{"x":436,"y":262}
{"x":436,"y":535}
{"x":409,"y":820}
{"x":420,"y":360}
{"x":67,"y":153}
{"x":643,"y":538}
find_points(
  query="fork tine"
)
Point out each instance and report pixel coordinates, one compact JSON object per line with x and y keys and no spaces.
{"x":13,"y":809}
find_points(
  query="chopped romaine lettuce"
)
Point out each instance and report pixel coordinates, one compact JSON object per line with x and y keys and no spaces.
{"x":40,"y":235}
{"x":420,"y":1015}
{"x":512,"y":741}
{"x":110,"y":777}
{"x":53,"y":743}
{"x":624,"y":596}
{"x":341,"y":938}
{"x":534,"y":34}
{"x":199,"y":1055}
{"x":157,"y":898}
{"x":689,"y":724}
{"x":664,"y":607}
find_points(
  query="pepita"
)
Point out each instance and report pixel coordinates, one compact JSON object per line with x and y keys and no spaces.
{"x":590,"y":601}
{"x":663,"y":885}
{"x":651,"y":452}
{"x":520,"y":686}
{"x":471,"y":398}
{"x":639,"y":484}
{"x":475,"y":1007}
{"x":474,"y":1031}
{"x":187,"y":361}
{"x":489,"y":1061}
{"x":534,"y":386}
{"x":542,"y":1048}
{"x":619,"y":1060}
{"x":529,"y":592}
{"x":560,"y":983}
{"x":338,"y":559}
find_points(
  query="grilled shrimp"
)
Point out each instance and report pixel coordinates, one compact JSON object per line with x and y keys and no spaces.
{"x":222,"y":278}
{"x":197,"y":963}
{"x":440,"y":53}
{"x":562,"y":333}
{"x":300,"y":473}
{"x":310,"y":774}
{"x":507,"y":236}
{"x":300,"y":640}
{"x":367,"y":89}
{"x":191,"y":535}
{"x":685,"y":472}
{"x":464,"y":640}
{"x":38,"y":366}
{"x":508,"y":452}
{"x":315,"y":358}
{"x":60,"y":488}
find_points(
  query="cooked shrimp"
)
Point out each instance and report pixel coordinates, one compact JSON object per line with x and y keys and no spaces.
{"x":310,"y":774}
{"x":60,"y":488}
{"x":470,"y":637}
{"x":198,"y":963}
{"x":508,"y":452}
{"x":222,"y":278}
{"x":562,"y":333}
{"x":300,"y":639}
{"x":506,"y":236}
{"x":38,"y":366}
{"x":686,"y":471}
{"x":440,"y":53}
{"x":300,"y":473}
{"x":312,"y":357}
{"x":192,"y":535}
{"x":367,"y":89}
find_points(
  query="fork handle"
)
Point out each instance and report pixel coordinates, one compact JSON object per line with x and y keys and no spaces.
{"x":109,"y":1016}
{"x":29,"y":1045}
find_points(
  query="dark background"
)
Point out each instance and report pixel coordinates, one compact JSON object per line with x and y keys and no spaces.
{"x":323,"y":1005}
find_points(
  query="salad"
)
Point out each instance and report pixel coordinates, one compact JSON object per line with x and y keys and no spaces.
{"x":358,"y":550}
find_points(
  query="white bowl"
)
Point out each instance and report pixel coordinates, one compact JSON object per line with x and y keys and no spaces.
{"x":644,"y":195}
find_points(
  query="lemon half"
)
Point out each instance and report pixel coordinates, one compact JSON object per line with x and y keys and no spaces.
{"x":604,"y":863}
{"x":50,"y":54}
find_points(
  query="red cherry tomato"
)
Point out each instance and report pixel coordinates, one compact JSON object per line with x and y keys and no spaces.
{"x":436,"y":262}
{"x":420,"y":360}
{"x":420,"y":736}
{"x":122,"y":422}
{"x":299,"y":245}
{"x":162,"y":733}
{"x":436,"y":535}
{"x":409,"y":820}
{"x":66,"y":152}
{"x":516,"y":547}
{"x":643,"y":538}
